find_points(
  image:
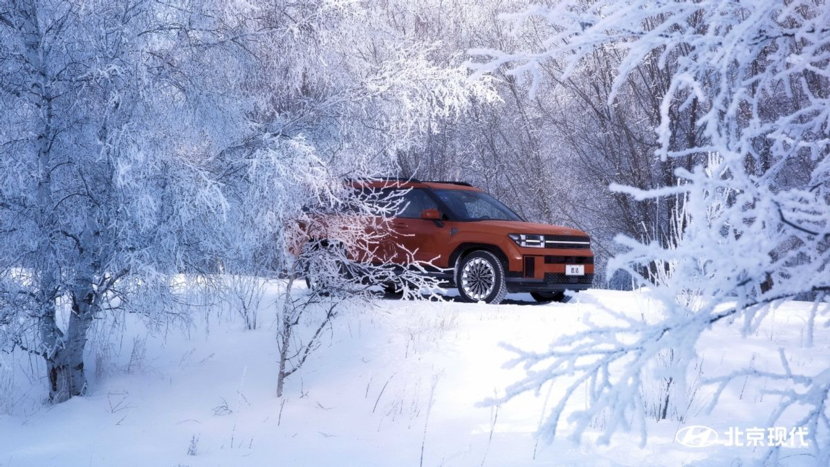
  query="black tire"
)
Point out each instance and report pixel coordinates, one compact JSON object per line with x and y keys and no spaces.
{"x":545,"y":297}
{"x":321,"y":285}
{"x":392,"y":289}
{"x":313,"y":283}
{"x":315,"y":286}
{"x":484,"y":279}
{"x":395,"y":289}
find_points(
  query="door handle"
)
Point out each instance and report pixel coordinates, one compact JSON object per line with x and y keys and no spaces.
{"x":400,"y":225}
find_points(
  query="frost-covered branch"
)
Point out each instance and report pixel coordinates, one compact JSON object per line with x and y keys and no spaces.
{"x":751,"y":206}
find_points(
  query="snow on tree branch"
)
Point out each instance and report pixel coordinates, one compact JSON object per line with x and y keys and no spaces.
{"x":754,"y":226}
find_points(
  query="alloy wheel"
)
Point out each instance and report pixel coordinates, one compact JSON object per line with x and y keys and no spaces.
{"x":478,"y":278}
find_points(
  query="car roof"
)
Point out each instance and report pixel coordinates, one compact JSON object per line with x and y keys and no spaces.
{"x":411,"y":183}
{"x":452,"y":186}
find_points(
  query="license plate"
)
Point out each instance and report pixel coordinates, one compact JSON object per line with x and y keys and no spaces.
{"x":574,"y":270}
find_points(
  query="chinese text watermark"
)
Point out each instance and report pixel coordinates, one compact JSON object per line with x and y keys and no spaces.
{"x":700,"y":436}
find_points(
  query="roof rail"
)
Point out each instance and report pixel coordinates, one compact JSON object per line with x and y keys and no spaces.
{"x":385,"y":179}
{"x":448,"y":182}
{"x":406,"y":180}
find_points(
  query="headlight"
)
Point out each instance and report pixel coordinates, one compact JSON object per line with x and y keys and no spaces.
{"x":528,"y":240}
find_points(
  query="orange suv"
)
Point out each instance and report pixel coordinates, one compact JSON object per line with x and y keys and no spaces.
{"x":481,"y":246}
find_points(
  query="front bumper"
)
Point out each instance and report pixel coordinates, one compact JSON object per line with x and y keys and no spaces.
{"x":552,"y":282}
{"x":543,"y":270}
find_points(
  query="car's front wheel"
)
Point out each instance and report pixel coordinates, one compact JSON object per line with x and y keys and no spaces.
{"x":479,"y":277}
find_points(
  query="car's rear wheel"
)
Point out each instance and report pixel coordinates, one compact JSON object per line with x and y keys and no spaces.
{"x":479,"y":277}
{"x":545,"y":297}
{"x":391,"y":289}
{"x":324,"y":267}
{"x":316,"y":279}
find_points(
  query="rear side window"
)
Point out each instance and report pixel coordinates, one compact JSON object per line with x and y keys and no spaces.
{"x":397,"y":203}
{"x":379,"y":200}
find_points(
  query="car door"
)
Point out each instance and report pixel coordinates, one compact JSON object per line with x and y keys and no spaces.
{"x":423,"y":238}
{"x":380,"y":245}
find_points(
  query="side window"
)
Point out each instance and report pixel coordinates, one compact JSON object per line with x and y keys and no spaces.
{"x":456,"y":204}
{"x":475,"y":205}
{"x":415,"y":201}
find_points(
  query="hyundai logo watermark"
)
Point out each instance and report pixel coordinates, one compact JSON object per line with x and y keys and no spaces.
{"x":696,"y":436}
{"x":701,"y":436}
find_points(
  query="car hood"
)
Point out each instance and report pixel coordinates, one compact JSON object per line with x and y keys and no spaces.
{"x":519,"y":227}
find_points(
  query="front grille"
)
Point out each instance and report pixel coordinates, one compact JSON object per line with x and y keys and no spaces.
{"x":571,"y":242}
{"x":557,"y":278}
{"x":569,"y":260}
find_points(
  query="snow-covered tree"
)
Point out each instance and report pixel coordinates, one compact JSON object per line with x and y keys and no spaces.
{"x":756,"y":202}
{"x":105,"y":183}
{"x":141,"y":139}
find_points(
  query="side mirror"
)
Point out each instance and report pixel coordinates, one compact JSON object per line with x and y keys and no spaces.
{"x":430,"y":214}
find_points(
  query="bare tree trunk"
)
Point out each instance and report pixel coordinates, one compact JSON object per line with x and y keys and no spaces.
{"x":66,"y":373}
{"x":284,"y":336}
{"x":65,"y":364}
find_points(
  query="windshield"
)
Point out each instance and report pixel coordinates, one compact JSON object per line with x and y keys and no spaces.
{"x":475,"y":206}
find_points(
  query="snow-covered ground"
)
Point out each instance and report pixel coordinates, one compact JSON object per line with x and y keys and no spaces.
{"x":397,"y":383}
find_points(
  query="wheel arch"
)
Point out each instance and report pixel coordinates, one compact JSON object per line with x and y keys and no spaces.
{"x":467,"y":248}
{"x":325,"y":242}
